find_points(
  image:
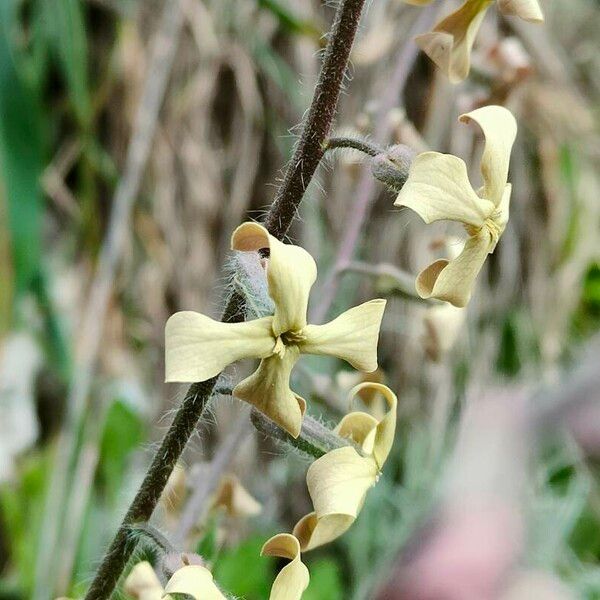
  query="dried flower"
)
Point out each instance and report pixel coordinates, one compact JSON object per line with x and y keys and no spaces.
{"x":293,"y":579}
{"x":449,"y":44}
{"x":339,"y":481}
{"x":438,"y":188}
{"x":198,"y":347}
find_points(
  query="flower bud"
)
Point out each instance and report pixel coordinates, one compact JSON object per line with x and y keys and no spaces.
{"x":392,"y":166}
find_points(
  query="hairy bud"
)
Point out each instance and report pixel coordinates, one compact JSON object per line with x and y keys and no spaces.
{"x":392,"y":166}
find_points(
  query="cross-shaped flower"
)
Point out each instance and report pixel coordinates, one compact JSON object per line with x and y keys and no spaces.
{"x":438,"y":188}
{"x":338,"y":482}
{"x":449,"y":44}
{"x":198,"y":347}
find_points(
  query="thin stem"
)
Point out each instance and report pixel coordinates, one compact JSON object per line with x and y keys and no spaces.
{"x":354,"y":143}
{"x":300,"y":171}
{"x":315,"y":439}
{"x":366,"y":188}
{"x":310,"y":149}
{"x":147,"y":497}
{"x":400,"y":281}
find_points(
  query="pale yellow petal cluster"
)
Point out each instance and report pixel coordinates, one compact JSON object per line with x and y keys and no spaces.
{"x":194,"y":580}
{"x":438,"y":188}
{"x":338,"y":482}
{"x":293,"y":579}
{"x":450,"y":42}
{"x":198,"y":347}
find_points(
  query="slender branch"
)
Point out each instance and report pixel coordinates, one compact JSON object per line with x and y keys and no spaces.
{"x":355,"y":144}
{"x":164,"y":47}
{"x":366,"y":188}
{"x":310,"y":148}
{"x":300,"y":171}
{"x":399,"y":280}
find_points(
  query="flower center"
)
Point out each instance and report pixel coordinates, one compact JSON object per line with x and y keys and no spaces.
{"x":285,"y":339}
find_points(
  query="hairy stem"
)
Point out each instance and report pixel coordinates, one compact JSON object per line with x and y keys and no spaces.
{"x":310,"y":147}
{"x":299,"y":173}
{"x":355,"y":144}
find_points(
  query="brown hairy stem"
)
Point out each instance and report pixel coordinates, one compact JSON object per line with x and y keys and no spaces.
{"x":300,"y":170}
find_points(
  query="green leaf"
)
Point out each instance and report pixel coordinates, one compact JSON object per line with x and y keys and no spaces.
{"x":65,"y":25}
{"x":21,"y":160}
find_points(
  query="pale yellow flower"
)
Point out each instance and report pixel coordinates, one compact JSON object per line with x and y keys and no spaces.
{"x":198,"y":347}
{"x":293,"y":579}
{"x":338,"y":482}
{"x":438,"y":188}
{"x":449,"y":44}
{"x":194,"y":580}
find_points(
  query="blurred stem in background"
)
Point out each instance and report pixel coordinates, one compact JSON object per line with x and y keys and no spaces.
{"x":300,"y":170}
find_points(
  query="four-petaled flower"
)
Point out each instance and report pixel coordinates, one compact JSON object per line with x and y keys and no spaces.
{"x":449,"y":44}
{"x":198,"y":347}
{"x":438,"y":188}
{"x":338,"y":482}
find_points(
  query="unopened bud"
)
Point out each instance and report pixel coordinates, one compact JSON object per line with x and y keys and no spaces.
{"x":392,"y":166}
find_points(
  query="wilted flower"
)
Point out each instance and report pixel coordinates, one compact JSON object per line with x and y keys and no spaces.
{"x":449,"y":44}
{"x":438,"y":189}
{"x":338,"y":482}
{"x":198,"y":347}
{"x":293,"y":579}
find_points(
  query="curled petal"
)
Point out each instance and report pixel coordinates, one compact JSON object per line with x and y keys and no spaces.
{"x":500,"y":129}
{"x":449,"y":44}
{"x":293,"y":579}
{"x":235,"y":499}
{"x":453,"y":280}
{"x":142,"y":583}
{"x":438,"y":188}
{"x":352,"y":336}
{"x":290,"y":274}
{"x":198,"y":347}
{"x":268,"y":389}
{"x":195,"y":581}
{"x":529,"y":10}
{"x":418,"y":2}
{"x":338,"y":484}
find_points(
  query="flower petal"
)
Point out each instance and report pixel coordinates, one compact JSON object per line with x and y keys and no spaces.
{"x":198,"y":347}
{"x":352,"y":336}
{"x":290,"y":274}
{"x":449,"y":44}
{"x":293,"y":579}
{"x":529,"y":10}
{"x":338,"y":483}
{"x":235,"y":499}
{"x":453,"y":280}
{"x":142,"y":583}
{"x":268,"y":389}
{"x":438,"y":188}
{"x":195,"y":581}
{"x":500,"y":129}
{"x":376,"y":437}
